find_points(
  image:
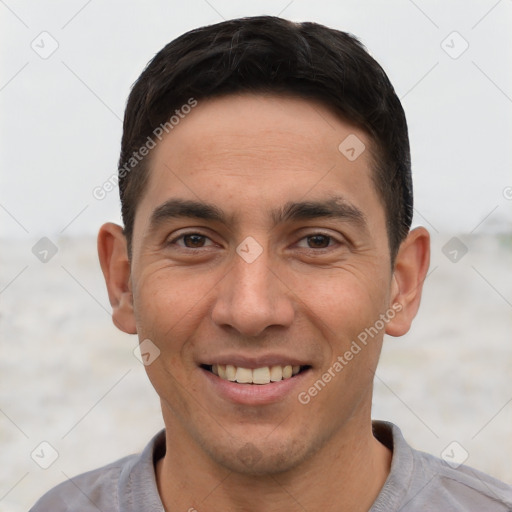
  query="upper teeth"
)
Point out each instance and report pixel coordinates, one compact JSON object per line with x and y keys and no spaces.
{"x":262,"y":375}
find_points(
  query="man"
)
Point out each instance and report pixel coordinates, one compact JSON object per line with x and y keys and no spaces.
{"x":266,"y":196}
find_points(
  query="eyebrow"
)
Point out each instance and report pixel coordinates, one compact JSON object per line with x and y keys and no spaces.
{"x":335,"y":207}
{"x":180,"y":208}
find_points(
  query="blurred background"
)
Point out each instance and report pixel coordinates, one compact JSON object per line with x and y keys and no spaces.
{"x":71,"y":381}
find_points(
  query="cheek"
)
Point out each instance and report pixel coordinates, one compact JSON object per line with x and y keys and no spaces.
{"x":168,"y":306}
{"x":344,"y":308}
{"x":343,"y":303}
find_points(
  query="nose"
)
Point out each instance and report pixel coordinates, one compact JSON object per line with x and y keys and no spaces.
{"x":250,"y":298}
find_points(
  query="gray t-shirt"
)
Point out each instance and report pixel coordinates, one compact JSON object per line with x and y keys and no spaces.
{"x":417,"y":482}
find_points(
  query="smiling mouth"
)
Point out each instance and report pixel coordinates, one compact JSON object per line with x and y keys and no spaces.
{"x":263,"y":375}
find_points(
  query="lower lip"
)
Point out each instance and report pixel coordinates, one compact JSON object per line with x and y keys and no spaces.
{"x":254,"y":394}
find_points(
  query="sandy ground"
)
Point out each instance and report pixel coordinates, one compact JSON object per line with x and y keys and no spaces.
{"x":70,"y":379}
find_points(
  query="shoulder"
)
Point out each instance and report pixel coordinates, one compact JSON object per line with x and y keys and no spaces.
{"x":421,"y":481}
{"x":96,"y":489}
{"x":460,"y":487}
{"x":126,"y":485}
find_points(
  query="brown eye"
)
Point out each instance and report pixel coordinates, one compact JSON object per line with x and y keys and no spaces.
{"x":191,"y":241}
{"x":194,"y":241}
{"x":318,"y":241}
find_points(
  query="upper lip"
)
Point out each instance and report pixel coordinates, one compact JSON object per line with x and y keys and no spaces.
{"x":255,"y":362}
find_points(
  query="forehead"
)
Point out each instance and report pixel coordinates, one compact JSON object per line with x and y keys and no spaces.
{"x":254,"y":151}
{"x":236,"y":129}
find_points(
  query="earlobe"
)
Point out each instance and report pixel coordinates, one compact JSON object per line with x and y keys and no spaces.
{"x":115,"y":265}
{"x":411,"y":266}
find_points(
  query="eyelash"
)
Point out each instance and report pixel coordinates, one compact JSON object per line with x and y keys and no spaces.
{"x":316,"y":233}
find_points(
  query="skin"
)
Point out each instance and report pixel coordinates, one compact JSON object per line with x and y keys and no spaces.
{"x":196,"y":299}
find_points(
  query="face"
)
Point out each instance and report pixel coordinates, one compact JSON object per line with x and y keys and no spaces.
{"x":260,"y":249}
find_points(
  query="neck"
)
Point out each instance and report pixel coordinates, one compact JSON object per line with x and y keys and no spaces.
{"x":346,"y":473}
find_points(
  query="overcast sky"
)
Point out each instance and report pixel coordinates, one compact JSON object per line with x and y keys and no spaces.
{"x":67,"y":68}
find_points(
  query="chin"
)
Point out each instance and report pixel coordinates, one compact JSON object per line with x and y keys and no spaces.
{"x":264,"y":457}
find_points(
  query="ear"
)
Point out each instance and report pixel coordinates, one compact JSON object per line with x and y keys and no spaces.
{"x":113,"y":255}
{"x":411,"y":266}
